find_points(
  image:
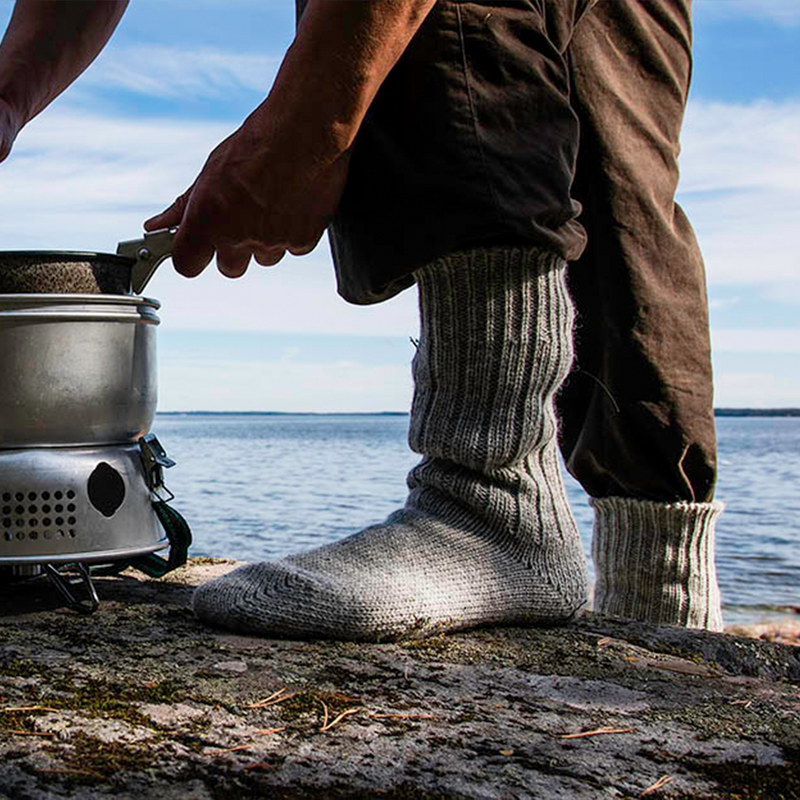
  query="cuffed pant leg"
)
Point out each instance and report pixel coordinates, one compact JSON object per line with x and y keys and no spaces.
{"x":636,"y":413}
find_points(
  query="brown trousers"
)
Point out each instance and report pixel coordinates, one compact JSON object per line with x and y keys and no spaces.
{"x":636,"y":412}
{"x":498,"y":116}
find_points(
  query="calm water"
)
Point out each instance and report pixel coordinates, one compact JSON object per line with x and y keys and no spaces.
{"x":260,"y":487}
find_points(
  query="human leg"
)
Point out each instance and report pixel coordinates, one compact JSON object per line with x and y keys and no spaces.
{"x":637,"y":426}
{"x":486,"y":535}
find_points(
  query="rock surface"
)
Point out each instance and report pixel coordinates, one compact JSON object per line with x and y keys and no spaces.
{"x":141,"y":700}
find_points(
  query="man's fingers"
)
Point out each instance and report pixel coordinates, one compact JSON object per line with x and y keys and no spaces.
{"x":302,"y":251}
{"x":191,"y":254}
{"x":171,"y":217}
{"x":232,"y":261}
{"x":166,"y":219}
{"x":268,"y":256}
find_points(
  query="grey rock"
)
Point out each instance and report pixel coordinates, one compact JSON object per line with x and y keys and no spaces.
{"x":142,"y":700}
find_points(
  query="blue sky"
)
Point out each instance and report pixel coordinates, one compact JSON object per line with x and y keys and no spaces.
{"x":179,"y":75}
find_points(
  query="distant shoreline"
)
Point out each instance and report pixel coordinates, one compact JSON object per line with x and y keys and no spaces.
{"x":718,"y":412}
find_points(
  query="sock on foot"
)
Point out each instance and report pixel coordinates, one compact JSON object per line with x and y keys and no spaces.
{"x":655,"y":561}
{"x":486,"y":535}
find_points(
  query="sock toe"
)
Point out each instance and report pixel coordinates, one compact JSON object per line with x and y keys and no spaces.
{"x":285,"y":600}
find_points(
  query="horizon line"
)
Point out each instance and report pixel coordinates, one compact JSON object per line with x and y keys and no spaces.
{"x":728,"y":411}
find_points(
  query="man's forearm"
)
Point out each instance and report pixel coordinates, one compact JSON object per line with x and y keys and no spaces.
{"x":275,"y":183}
{"x":343,"y":51}
{"x":49,"y":43}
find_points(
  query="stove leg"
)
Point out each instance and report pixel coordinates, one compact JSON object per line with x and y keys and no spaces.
{"x":86,"y":606}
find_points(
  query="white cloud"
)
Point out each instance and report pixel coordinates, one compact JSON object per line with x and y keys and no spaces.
{"x":83,"y":181}
{"x":199,"y":384}
{"x":725,"y":302}
{"x":756,"y":390}
{"x":171,"y":72}
{"x":729,"y":147}
{"x":740,"y":185}
{"x":298,"y":295}
{"x":784,"y":12}
{"x":786,"y":292}
{"x":759,"y":340}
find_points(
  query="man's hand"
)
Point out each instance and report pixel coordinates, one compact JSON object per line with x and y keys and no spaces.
{"x":274,"y":185}
{"x":263,"y":191}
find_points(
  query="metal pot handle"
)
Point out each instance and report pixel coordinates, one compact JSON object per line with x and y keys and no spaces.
{"x":147,"y":253}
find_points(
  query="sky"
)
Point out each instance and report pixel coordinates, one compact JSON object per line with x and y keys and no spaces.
{"x":180,"y":75}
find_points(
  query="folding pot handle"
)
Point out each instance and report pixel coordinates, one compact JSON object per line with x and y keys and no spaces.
{"x":147,"y":253}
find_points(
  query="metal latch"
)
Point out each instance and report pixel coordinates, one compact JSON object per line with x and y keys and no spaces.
{"x":155,"y":461}
{"x":147,"y":253}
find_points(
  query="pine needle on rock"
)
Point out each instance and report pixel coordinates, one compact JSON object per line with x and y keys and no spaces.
{"x":596,"y":732}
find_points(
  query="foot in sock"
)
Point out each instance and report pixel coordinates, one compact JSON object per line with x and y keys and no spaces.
{"x":414,"y":575}
{"x":486,"y":535}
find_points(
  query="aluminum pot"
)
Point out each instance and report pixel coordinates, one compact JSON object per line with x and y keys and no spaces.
{"x":76,"y":369}
{"x":77,"y":349}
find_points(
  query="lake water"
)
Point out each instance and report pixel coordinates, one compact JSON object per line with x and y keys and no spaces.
{"x":258,"y":487}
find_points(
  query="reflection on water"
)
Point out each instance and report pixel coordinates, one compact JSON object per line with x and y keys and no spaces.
{"x":258,"y":487}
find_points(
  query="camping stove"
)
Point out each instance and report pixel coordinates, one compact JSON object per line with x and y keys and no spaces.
{"x":81,"y":477}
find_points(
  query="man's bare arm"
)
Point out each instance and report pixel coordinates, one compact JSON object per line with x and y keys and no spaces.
{"x":48,"y":43}
{"x":274,"y":184}
{"x":342,"y":54}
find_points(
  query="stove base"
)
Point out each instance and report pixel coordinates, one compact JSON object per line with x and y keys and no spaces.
{"x":68,"y":505}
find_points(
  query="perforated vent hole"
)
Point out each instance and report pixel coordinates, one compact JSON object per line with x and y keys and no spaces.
{"x":27,"y":515}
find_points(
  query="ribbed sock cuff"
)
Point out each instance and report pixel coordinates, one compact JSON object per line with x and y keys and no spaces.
{"x":495,"y":346}
{"x":655,"y":561}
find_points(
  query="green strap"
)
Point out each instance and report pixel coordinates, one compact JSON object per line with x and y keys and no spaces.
{"x":180,"y":537}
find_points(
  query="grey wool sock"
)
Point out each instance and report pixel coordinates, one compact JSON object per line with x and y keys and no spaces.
{"x":655,"y":561}
{"x":486,"y":535}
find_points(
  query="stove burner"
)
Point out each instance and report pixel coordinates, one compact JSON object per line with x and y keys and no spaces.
{"x":81,"y":479}
{"x":75,"y":507}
